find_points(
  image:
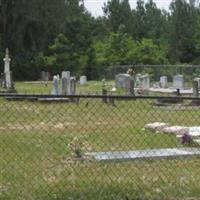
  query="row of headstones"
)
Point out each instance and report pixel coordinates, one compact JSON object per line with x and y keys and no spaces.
{"x":45,"y":76}
{"x":178,"y":82}
{"x":68,"y":84}
{"x":124,"y":81}
{"x":143,"y":81}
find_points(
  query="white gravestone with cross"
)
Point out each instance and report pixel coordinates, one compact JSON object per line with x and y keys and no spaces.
{"x":7,"y":70}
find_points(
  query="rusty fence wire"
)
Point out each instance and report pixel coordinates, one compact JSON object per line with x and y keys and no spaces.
{"x":99,"y":147}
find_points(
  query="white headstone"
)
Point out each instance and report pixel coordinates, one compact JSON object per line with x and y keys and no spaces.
{"x":178,"y":82}
{"x":66,"y":74}
{"x":83,"y":80}
{"x":58,"y":77}
{"x":145,"y":82}
{"x":7,"y":70}
{"x":55,"y":85}
{"x":163,"y":82}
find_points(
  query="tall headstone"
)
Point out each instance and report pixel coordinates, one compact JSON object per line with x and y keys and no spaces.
{"x":83,"y":80}
{"x":178,"y":82}
{"x":66,"y":74}
{"x":55,"y":85}
{"x":7,"y":72}
{"x":163,"y":82}
{"x":73,"y":85}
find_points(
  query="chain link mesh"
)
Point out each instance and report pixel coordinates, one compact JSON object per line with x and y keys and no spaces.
{"x":89,"y":149}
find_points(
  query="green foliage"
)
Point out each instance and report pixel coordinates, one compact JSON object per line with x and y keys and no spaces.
{"x":121,"y":49}
{"x":148,"y":52}
{"x":56,"y":35}
{"x":183,"y":21}
{"x":118,"y":12}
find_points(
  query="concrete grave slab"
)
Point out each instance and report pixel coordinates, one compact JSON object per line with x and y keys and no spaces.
{"x":178,"y":130}
{"x":147,"y":154}
{"x":156,"y":125}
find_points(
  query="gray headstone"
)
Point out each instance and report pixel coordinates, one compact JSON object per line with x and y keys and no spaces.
{"x":178,"y":82}
{"x":73,"y":85}
{"x":64,"y":86}
{"x":44,"y":76}
{"x":66,"y":74}
{"x":163,"y":82}
{"x":123,"y":81}
{"x":196,"y":87}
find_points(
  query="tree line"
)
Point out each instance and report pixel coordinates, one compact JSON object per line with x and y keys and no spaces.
{"x":56,"y":35}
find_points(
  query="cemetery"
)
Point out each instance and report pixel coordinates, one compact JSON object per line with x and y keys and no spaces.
{"x":135,"y":84}
{"x":99,"y":100}
{"x":62,"y":138}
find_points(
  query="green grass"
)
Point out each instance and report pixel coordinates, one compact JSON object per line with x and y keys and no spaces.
{"x":41,"y":88}
{"x":37,"y":161}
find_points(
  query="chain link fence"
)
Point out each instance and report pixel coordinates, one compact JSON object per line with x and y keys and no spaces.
{"x":155,"y":71}
{"x":99,"y":147}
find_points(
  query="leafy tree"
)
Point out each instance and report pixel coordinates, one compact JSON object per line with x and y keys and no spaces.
{"x":72,"y":49}
{"x":140,"y":20}
{"x":155,"y":21}
{"x":182,"y":28}
{"x":118,"y":12}
{"x":120,"y":49}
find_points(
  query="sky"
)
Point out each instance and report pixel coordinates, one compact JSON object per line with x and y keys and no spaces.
{"x":95,"y":6}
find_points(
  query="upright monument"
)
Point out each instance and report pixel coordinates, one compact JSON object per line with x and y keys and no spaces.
{"x":7,"y":72}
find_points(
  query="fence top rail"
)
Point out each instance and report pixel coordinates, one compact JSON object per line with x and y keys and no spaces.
{"x":152,"y":66}
{"x":89,"y":96}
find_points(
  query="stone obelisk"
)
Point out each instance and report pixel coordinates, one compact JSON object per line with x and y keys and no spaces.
{"x":7,"y":72}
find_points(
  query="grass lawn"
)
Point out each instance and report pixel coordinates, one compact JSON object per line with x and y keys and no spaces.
{"x":38,"y":143}
{"x":41,"y":88}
